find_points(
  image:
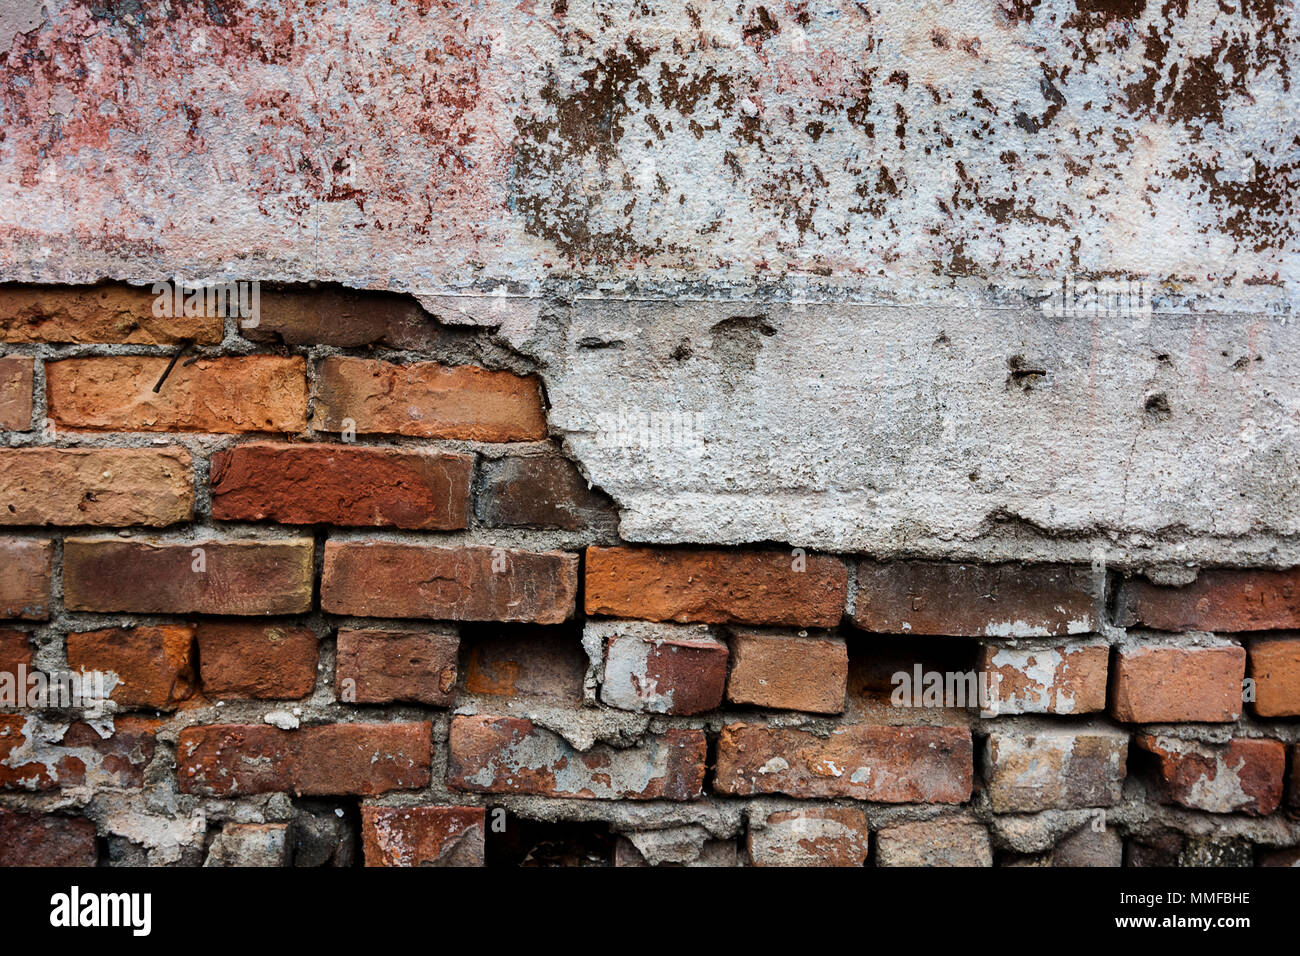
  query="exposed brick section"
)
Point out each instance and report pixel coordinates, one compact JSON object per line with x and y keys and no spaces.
{"x":1275,"y":669}
{"x":539,"y":491}
{"x":827,"y":836}
{"x":37,"y":756}
{"x":342,"y":317}
{"x":46,"y":839}
{"x":408,"y":664}
{"x":25,"y":568}
{"x":1090,"y":847}
{"x":342,"y":485}
{"x":1165,"y":684}
{"x":971,"y":600}
{"x":423,"y":836}
{"x":539,"y":664}
{"x":255,"y":393}
{"x":240,"y":577}
{"x":15,"y":651}
{"x":660,"y":668}
{"x":105,"y":313}
{"x":1220,"y":599}
{"x":259,"y":660}
{"x":476,"y":583}
{"x":788,"y":672}
{"x":943,"y":842}
{"x":227,"y":760}
{"x":250,"y":844}
{"x":103,"y":487}
{"x":1065,"y":678}
{"x":15,"y":393}
{"x":716,"y":586}
{"x":861,"y":762}
{"x":154,"y":665}
{"x":428,"y":400}
{"x":510,"y":755}
{"x":1243,"y":776}
{"x":1054,"y":769}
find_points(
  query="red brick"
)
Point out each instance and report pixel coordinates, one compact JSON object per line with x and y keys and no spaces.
{"x":1275,"y":669}
{"x":825,"y":836}
{"x":1065,"y":678}
{"x":15,"y":651}
{"x":942,"y":842}
{"x":971,"y":600}
{"x":259,"y":660}
{"x":1243,"y":776}
{"x":860,"y":762}
{"x":1220,"y":599}
{"x":1293,"y":785}
{"x":428,"y":400}
{"x":111,"y":312}
{"x":46,"y":839}
{"x":788,"y":671}
{"x":253,"y":393}
{"x":25,"y":568}
{"x":1067,"y":768}
{"x":36,"y":756}
{"x":511,"y":755}
{"x":416,"y":664}
{"x":341,"y":485}
{"x":383,"y":579}
{"x":539,"y":491}
{"x":154,"y":665}
{"x":1167,"y":684}
{"x":106,"y":487}
{"x":16,"y":393}
{"x":143,"y":577}
{"x":423,"y":836}
{"x":716,"y":586}
{"x":659,"y":668}
{"x":342,"y":317}
{"x":538,"y":663}
{"x":229,"y":760}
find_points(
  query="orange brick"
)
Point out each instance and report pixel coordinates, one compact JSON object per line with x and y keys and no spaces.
{"x":154,"y":665}
{"x":111,"y":312}
{"x":788,"y":672}
{"x":1056,"y":679}
{"x":263,"y":660}
{"x":716,"y":586}
{"x":1275,"y":668}
{"x":15,"y":393}
{"x":104,"y":487}
{"x":1168,"y":684}
{"x":429,"y":400}
{"x":1242,"y":776}
{"x":255,"y":393}
{"x":423,"y":836}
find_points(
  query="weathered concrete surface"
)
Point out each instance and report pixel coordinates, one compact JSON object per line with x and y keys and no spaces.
{"x":445,"y":145}
{"x":939,"y":431}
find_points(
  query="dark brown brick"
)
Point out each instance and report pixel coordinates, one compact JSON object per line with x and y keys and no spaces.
{"x":539,"y":491}
{"x":971,"y":600}
{"x":536,"y":663}
{"x":342,"y":317}
{"x":25,"y":568}
{"x":468,"y":583}
{"x":241,"y":577}
{"x":46,"y":839}
{"x":380,"y":666}
{"x":1220,"y":599}
{"x":341,"y":485}
{"x":228,"y":760}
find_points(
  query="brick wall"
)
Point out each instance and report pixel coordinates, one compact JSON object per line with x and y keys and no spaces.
{"x":357,"y":606}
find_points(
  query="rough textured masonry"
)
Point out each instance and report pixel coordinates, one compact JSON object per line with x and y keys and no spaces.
{"x":680,"y":434}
